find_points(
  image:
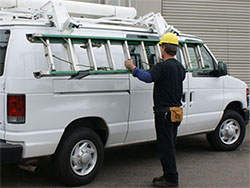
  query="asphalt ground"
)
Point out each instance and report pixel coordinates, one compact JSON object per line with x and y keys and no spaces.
{"x":134,"y":166}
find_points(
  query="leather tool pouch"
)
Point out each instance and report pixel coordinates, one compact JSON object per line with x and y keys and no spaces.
{"x":176,"y":114}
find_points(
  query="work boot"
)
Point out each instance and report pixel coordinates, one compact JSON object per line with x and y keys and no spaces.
{"x":161,"y":182}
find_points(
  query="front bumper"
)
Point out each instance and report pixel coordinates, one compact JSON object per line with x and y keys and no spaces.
{"x":246,"y":115}
{"x":10,"y":153}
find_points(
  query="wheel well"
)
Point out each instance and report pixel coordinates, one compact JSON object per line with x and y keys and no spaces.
{"x":235,"y":106}
{"x":94,"y":123}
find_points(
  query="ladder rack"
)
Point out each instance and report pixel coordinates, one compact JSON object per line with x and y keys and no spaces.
{"x":89,"y":42}
{"x":58,"y":13}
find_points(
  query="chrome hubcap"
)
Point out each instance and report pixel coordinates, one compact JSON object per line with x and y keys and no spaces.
{"x":229,"y":131}
{"x":83,"y":157}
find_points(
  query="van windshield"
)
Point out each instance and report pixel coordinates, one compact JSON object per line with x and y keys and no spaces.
{"x":4,"y":39}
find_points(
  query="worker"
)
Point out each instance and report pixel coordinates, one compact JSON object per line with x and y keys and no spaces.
{"x":168,"y":76}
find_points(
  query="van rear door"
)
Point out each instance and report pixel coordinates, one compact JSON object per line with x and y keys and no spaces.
{"x":4,"y":38}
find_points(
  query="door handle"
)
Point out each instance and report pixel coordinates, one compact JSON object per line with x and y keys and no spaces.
{"x":184,"y":99}
{"x":191,"y":98}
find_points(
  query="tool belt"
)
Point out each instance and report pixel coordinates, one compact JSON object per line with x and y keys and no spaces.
{"x":176,"y":113}
{"x":161,"y":110}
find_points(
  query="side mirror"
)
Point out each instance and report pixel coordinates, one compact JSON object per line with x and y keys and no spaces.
{"x":222,"y":69}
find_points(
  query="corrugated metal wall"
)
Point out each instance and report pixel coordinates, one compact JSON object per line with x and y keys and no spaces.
{"x":223,"y":24}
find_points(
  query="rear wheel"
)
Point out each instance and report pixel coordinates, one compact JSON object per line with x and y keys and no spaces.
{"x":229,"y":133}
{"x":79,"y":157}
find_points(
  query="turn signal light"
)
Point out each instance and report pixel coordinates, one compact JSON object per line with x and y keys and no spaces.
{"x":16,"y":108}
{"x":248,"y":97}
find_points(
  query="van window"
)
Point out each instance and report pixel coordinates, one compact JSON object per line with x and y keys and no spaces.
{"x":4,"y":39}
{"x":201,"y":61}
{"x":150,"y":51}
{"x":136,"y":56}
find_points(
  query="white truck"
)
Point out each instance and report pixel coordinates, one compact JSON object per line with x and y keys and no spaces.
{"x":65,"y":93}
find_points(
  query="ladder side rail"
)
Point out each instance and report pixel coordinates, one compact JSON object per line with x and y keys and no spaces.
{"x":91,"y":56}
{"x":110,"y":55}
{"x":144,"y":55}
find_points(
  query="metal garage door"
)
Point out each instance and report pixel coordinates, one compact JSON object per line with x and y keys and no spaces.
{"x":223,"y":24}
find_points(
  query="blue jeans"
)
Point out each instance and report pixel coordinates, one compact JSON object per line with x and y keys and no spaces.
{"x":166,"y":132}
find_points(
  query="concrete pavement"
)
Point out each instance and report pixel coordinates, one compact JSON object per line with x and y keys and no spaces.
{"x":135,"y":166}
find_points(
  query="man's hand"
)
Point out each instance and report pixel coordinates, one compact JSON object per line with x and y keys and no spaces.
{"x":129,"y":64}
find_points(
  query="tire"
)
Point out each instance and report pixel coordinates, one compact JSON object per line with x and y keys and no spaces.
{"x":229,"y":133}
{"x":78,"y":157}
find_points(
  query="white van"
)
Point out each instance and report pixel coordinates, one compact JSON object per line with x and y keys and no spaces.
{"x":67,"y":93}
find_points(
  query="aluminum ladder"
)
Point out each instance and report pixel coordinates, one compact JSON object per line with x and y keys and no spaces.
{"x":88,"y":44}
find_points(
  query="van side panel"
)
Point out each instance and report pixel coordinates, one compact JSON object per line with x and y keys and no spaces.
{"x":235,"y":90}
{"x":49,"y":114}
{"x":53,"y":103}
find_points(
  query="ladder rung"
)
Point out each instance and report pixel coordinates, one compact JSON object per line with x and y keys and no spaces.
{"x":109,"y":55}
{"x":187,"y":56}
{"x":49,"y":55}
{"x":183,"y":50}
{"x":144,"y":55}
{"x":126,"y":50}
{"x":91,"y":55}
{"x":72,"y":54}
{"x":158,"y":52}
{"x":201,"y":58}
{"x":68,"y":55}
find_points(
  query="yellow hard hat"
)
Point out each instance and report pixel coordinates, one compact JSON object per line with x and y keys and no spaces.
{"x":169,"y":38}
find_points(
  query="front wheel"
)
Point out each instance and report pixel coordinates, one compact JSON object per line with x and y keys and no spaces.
{"x":229,"y":133}
{"x":78,"y":157}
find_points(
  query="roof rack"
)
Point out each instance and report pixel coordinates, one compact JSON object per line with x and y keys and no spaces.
{"x":58,"y":13}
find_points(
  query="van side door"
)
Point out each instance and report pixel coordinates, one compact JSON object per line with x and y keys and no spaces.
{"x":181,"y":59}
{"x":141,"y":120}
{"x":205,"y":94}
{"x":141,"y":117}
{"x":4,"y":38}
